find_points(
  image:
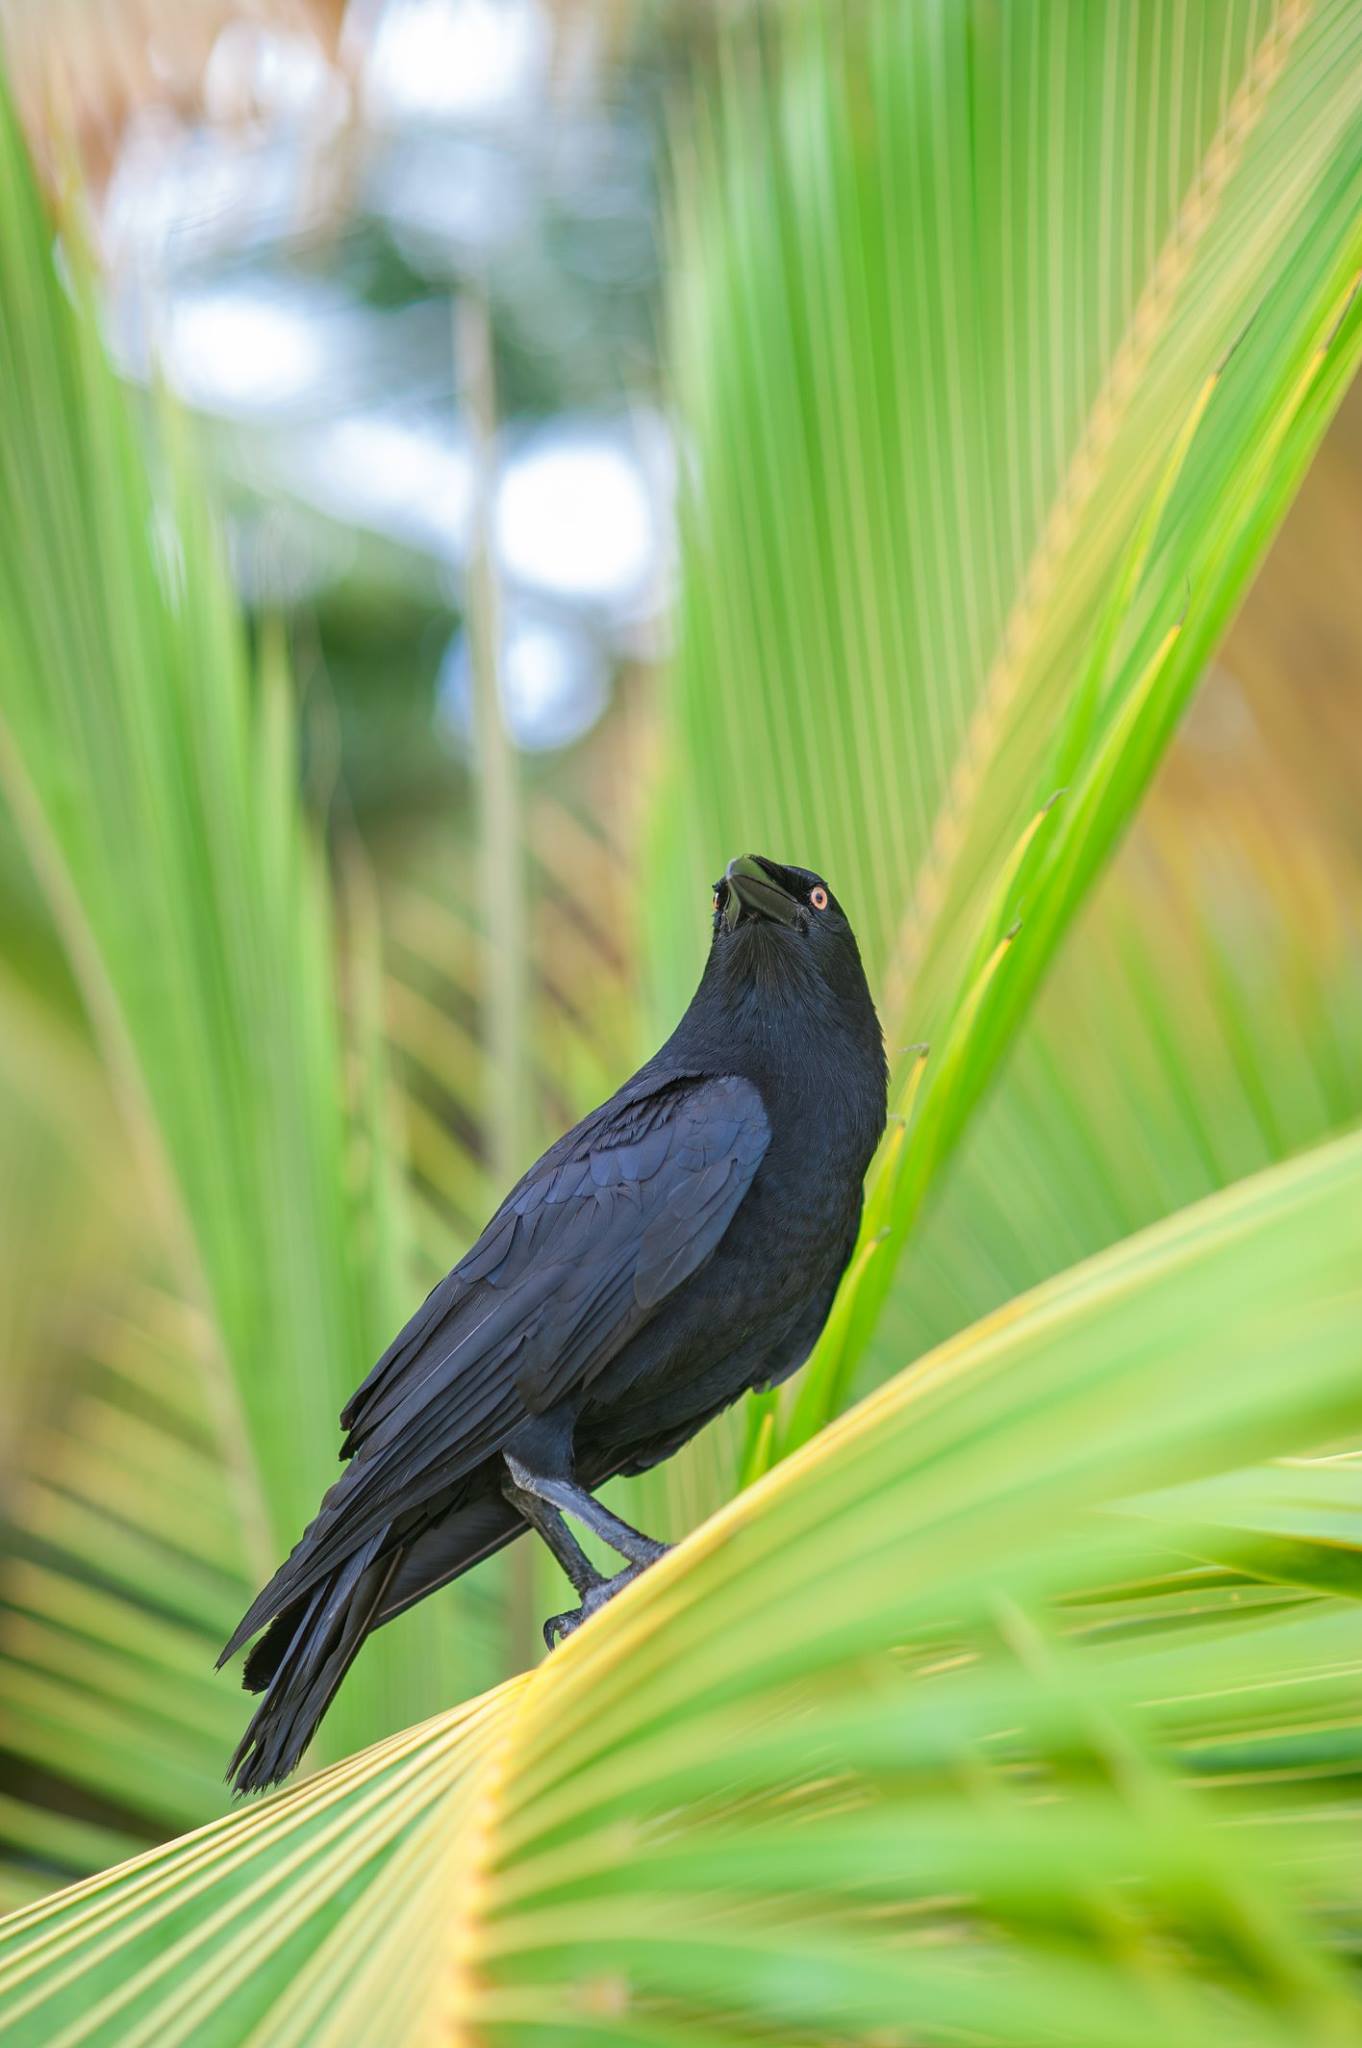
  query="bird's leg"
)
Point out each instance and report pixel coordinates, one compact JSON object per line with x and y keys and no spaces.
{"x":559,"y":1626}
{"x":571,"y":1499}
{"x":549,"y":1524}
{"x":543,"y":1500}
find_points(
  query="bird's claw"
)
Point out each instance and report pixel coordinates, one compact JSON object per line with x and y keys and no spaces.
{"x":559,"y":1627}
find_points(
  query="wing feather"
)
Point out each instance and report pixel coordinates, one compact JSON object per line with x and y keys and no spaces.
{"x":581,"y":1253}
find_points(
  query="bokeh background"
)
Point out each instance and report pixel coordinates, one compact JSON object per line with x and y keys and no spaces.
{"x":409,"y":271}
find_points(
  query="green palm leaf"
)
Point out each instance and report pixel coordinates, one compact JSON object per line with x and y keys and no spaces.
{"x":935,"y":368}
{"x":921,"y":1725}
{"x":880,"y":1698}
{"x":1195,"y":1031}
{"x":971,"y":509}
{"x":152,"y":774}
{"x":127,"y":1561}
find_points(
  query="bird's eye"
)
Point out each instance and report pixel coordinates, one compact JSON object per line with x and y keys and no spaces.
{"x":819,"y":897}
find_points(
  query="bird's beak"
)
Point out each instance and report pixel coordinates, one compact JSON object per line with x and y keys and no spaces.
{"x":754,"y":891}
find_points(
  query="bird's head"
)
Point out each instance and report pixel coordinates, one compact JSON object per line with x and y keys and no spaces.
{"x":784,"y":1000}
{"x":774,"y":923}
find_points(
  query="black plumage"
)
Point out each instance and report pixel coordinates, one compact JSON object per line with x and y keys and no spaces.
{"x":679,"y":1246}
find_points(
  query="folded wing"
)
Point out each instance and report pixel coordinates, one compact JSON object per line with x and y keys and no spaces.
{"x":612,"y":1218}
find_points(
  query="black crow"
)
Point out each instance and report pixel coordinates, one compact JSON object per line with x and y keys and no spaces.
{"x":681,"y":1245}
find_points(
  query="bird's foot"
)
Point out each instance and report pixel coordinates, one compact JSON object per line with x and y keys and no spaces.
{"x":559,"y":1626}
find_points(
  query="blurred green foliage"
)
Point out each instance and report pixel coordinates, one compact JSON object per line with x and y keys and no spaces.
{"x":1020,"y":1702}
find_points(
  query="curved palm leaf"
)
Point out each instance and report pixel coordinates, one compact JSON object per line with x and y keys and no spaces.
{"x":126,"y":1564}
{"x":1120,"y":502}
{"x":1195,"y":1031}
{"x":884,"y":1698}
{"x":971,"y":504}
{"x":120,"y":1530}
{"x":935,"y":371}
{"x":152,"y":774}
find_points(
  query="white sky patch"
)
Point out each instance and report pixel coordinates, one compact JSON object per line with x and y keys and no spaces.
{"x":469,"y":60}
{"x":555,"y":680}
{"x":574,"y":517}
{"x":404,"y":476}
{"x":243,"y":353}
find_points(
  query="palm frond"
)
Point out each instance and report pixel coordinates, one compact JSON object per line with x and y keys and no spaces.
{"x":882,"y":1693}
{"x":128,"y":1557}
{"x":989,"y":437}
{"x":152,"y":774}
{"x":1196,"y":1031}
{"x":935,"y":371}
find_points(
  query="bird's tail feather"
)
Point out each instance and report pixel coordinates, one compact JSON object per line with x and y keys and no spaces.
{"x":301,"y":1659}
{"x":310,"y":1644}
{"x":447,"y":1549}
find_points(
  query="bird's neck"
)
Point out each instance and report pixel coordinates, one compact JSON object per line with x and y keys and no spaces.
{"x":815,"y":1054}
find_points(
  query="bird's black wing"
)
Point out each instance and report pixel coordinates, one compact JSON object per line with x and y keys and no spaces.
{"x":613,"y":1217}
